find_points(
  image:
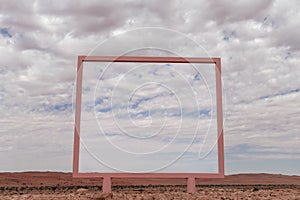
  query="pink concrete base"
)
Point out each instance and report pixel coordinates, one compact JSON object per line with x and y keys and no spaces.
{"x":106,"y":185}
{"x":191,"y":185}
{"x":107,"y":182}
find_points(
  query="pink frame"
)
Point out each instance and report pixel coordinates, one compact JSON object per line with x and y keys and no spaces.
{"x":106,"y":186}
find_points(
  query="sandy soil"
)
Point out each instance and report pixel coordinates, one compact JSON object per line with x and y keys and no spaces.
{"x":56,"y":185}
{"x":154,"y":192}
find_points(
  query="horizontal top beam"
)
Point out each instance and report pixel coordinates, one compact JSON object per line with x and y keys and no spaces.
{"x":145,"y":59}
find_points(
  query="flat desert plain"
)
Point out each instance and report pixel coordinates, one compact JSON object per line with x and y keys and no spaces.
{"x":58,"y":185}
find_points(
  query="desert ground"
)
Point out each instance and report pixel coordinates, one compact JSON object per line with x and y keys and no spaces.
{"x":57,"y":185}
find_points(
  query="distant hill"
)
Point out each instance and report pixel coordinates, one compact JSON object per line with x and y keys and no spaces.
{"x":65,"y":179}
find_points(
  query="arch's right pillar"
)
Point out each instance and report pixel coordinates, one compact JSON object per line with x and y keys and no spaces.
{"x":220,"y":117}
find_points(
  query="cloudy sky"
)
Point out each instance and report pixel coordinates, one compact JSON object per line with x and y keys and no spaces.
{"x":138,"y":117}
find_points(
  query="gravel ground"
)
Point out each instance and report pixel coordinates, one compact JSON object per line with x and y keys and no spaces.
{"x":153,"y":192}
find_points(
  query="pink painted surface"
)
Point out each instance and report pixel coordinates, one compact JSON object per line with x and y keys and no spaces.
{"x":220,"y":117}
{"x":191,"y":184}
{"x":148,"y":59}
{"x":77,"y":115}
{"x":189,"y":176}
{"x":106,"y":185}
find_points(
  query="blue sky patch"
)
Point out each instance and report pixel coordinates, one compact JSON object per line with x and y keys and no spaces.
{"x":5,"y":32}
{"x":62,"y":107}
{"x":280,"y":94}
{"x":197,"y":76}
{"x":100,"y":100}
{"x":104,"y":110}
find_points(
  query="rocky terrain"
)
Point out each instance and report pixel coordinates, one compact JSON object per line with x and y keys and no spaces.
{"x":57,"y":185}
